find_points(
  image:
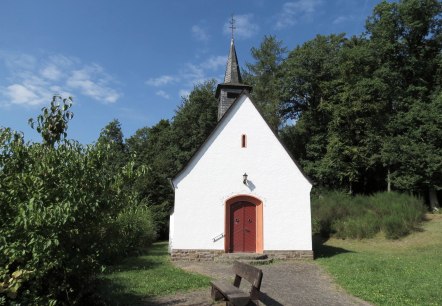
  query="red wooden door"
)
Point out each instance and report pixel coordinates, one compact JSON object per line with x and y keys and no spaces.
{"x":243,"y":227}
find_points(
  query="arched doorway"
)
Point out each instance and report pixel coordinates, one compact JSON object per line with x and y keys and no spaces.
{"x":243,"y":225}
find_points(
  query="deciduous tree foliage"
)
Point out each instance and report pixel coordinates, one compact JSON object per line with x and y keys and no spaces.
{"x":111,"y":139}
{"x":265,"y":75}
{"x":52,"y":123}
{"x":167,"y":146}
{"x":407,"y":39}
{"x":63,"y":214}
{"x":311,"y":81}
{"x":367,"y":108}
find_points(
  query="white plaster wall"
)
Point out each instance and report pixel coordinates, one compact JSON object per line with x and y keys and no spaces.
{"x":171,"y":224}
{"x":215,"y":174}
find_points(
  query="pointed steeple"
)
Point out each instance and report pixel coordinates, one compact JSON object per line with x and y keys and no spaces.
{"x":233,"y":74}
{"x":227,"y":92}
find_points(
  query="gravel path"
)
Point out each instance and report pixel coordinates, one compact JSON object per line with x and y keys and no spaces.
{"x":284,"y":283}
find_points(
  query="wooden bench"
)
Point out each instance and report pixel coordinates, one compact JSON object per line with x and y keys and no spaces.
{"x":225,"y":291}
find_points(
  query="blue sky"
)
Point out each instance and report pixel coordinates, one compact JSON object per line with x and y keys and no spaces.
{"x":134,"y":60}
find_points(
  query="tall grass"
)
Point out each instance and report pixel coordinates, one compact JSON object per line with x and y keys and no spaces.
{"x":344,"y":216}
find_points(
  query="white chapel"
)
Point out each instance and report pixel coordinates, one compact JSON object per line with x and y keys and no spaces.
{"x":241,"y":192}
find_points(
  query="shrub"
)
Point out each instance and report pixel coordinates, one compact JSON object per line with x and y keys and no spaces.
{"x":395,"y":227}
{"x":132,"y":230}
{"x":55,"y":203}
{"x":344,"y":216}
{"x":327,"y":208}
{"x":401,"y":213}
{"x":365,"y":226}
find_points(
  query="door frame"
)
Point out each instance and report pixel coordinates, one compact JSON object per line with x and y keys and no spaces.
{"x":259,"y":221}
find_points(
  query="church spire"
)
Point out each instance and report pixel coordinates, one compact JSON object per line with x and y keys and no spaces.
{"x":227,"y":92}
{"x":233,"y":75}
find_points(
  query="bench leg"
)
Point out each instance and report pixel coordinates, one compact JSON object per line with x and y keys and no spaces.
{"x":217,"y":295}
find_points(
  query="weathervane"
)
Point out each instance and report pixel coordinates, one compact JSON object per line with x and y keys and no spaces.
{"x":232,"y":25}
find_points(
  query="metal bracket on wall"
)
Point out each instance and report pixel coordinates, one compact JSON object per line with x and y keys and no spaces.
{"x":218,"y":237}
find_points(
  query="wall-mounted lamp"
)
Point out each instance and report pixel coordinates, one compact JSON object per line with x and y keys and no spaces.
{"x":244,"y":178}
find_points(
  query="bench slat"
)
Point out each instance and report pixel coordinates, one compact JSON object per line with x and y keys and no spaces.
{"x":222,"y":290}
{"x":251,"y":274}
{"x":227,"y":289}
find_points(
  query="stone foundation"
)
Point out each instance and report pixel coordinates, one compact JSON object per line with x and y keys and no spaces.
{"x":195,"y":255}
{"x":289,"y":255}
{"x":210,"y":255}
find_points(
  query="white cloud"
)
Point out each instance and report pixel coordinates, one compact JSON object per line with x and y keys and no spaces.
{"x":295,"y":10}
{"x":193,"y":74}
{"x":93,"y":82}
{"x":160,"y":81}
{"x":342,"y":19}
{"x":19,"y":94}
{"x":183,"y":93}
{"x":244,"y":26}
{"x":200,"y":34}
{"x":215,"y":62}
{"x":51,"y":72}
{"x":63,"y":61}
{"x":17,"y":61}
{"x":33,"y":81}
{"x":190,"y":75}
{"x":163,"y":94}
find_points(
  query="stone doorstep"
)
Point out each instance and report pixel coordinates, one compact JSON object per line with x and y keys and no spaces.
{"x":249,"y":258}
{"x":255,"y":256}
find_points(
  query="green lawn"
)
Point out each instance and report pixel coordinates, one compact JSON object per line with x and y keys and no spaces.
{"x":140,"y":277}
{"x":385,"y":272}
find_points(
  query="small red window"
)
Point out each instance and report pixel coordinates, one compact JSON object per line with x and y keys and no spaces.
{"x":243,"y":141}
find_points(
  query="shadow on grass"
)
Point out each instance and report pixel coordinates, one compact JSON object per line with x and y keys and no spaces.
{"x":148,"y":259}
{"x":112,"y":293}
{"x":158,"y":249}
{"x":325,"y":251}
{"x":134,"y":263}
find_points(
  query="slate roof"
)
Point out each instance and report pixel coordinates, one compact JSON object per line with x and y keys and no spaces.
{"x":232,"y":76}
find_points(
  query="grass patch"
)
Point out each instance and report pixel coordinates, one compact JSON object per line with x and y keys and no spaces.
{"x":407,"y":271}
{"x":141,"y":277}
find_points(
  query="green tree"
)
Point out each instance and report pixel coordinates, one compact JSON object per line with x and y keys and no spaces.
{"x":194,"y":120}
{"x":265,"y":75}
{"x":52,"y":124}
{"x":358,"y":115}
{"x":111,"y":139}
{"x":63,"y":215}
{"x":160,"y":155}
{"x":311,"y":81}
{"x":167,"y":146}
{"x":112,"y":134}
{"x":417,"y":149}
{"x":407,"y":39}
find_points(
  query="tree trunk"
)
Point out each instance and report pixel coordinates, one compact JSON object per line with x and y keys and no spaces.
{"x":434,"y":203}
{"x":388,"y":180}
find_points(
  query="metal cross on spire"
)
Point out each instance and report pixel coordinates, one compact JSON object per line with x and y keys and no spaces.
{"x":232,"y":25}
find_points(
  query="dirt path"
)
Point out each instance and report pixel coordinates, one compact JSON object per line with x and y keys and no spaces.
{"x":284,"y":283}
